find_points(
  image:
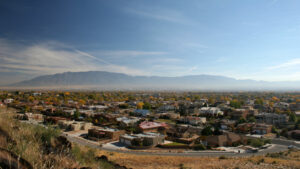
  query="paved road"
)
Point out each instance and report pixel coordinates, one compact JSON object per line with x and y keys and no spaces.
{"x":273,"y":149}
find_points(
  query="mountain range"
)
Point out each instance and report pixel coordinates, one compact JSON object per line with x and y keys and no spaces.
{"x":101,"y":80}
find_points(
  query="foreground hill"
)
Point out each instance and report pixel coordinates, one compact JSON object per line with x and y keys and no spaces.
{"x":108,"y":80}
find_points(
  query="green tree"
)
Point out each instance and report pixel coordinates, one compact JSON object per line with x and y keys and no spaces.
{"x":147,"y":106}
{"x":207,"y":131}
{"x":76,"y":114}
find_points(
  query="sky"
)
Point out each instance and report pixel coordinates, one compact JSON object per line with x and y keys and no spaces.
{"x":249,"y":39}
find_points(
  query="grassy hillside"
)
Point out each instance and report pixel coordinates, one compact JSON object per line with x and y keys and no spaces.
{"x":42,"y":148}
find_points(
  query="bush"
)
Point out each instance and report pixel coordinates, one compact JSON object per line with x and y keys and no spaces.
{"x":199,"y":147}
{"x":256,"y":142}
{"x":222,"y":157}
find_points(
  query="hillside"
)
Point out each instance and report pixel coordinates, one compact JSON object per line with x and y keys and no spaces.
{"x":107,"y":80}
{"x":27,"y":146}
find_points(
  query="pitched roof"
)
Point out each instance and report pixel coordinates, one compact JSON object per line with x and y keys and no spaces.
{"x":149,"y":125}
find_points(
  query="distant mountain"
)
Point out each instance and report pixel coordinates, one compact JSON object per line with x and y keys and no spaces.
{"x":117,"y":81}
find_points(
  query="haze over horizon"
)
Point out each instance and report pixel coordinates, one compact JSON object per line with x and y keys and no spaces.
{"x":248,"y":39}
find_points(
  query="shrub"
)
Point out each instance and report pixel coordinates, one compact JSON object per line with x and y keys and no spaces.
{"x":256,"y":143}
{"x":222,"y":157}
{"x":199,"y":147}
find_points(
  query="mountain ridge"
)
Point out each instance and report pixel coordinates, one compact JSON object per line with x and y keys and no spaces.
{"x":110,"y":80}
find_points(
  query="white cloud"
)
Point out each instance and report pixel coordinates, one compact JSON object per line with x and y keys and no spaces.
{"x":289,"y":64}
{"x":52,"y":57}
{"x":128,"y":53}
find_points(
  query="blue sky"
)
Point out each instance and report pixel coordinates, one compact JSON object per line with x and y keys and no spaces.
{"x":249,"y":39}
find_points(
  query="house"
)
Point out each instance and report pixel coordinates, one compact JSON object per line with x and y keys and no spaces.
{"x":166,"y":108}
{"x":184,"y":134}
{"x":214,"y":111}
{"x":142,"y":140}
{"x":169,"y":115}
{"x":33,"y":116}
{"x":69,"y":111}
{"x":148,"y":126}
{"x":97,"y":107}
{"x":236,"y":114}
{"x":125,"y":121}
{"x":8,"y":101}
{"x":226,"y":139}
{"x":105,"y":119}
{"x":244,"y":128}
{"x":142,"y":112}
{"x":74,"y":125}
{"x":272,"y":118}
{"x":53,"y":120}
{"x":193,"y":120}
{"x":281,"y":105}
{"x":261,"y":128}
{"x":227,"y":124}
{"x":104,"y":133}
{"x":295,"y":106}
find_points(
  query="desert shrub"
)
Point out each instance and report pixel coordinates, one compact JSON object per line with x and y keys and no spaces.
{"x":222,"y":157}
{"x":199,"y":147}
{"x":256,"y":142}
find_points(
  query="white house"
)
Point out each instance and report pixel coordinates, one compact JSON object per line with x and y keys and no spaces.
{"x":211,"y":111}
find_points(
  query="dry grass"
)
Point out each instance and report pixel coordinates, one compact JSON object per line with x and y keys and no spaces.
{"x":27,"y":143}
{"x":292,"y":160}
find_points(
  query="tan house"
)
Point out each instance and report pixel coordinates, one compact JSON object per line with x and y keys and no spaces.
{"x":226,"y":139}
{"x":262,"y":129}
{"x":105,"y":133}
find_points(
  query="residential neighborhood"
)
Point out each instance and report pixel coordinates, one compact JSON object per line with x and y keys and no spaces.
{"x":162,"y":121}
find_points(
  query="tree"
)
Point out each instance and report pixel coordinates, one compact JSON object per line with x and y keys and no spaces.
{"x":147,"y":106}
{"x":256,"y":143}
{"x":207,"y":131}
{"x":293,"y":118}
{"x":241,"y":120}
{"x":235,"y":103}
{"x":76,"y":114}
{"x":252,"y":119}
{"x":139,"y":105}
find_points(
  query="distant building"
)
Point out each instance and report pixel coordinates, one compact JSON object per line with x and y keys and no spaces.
{"x":125,"y":121}
{"x":53,"y":120}
{"x":142,"y":112}
{"x":74,"y":125}
{"x":272,"y":118}
{"x":166,"y":108}
{"x":281,"y":105}
{"x":142,"y":140}
{"x":193,"y":120}
{"x":261,"y":129}
{"x":32,"y":116}
{"x":215,"y":111}
{"x":148,"y":126}
{"x":239,"y":113}
{"x":227,"y":124}
{"x":8,"y":101}
{"x":244,"y":127}
{"x":104,"y":133}
{"x":226,"y":139}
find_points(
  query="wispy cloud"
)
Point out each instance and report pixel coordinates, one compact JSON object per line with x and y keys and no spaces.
{"x":128,"y":53}
{"x":49,"y":58}
{"x":289,"y":64}
{"x":161,"y":14}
